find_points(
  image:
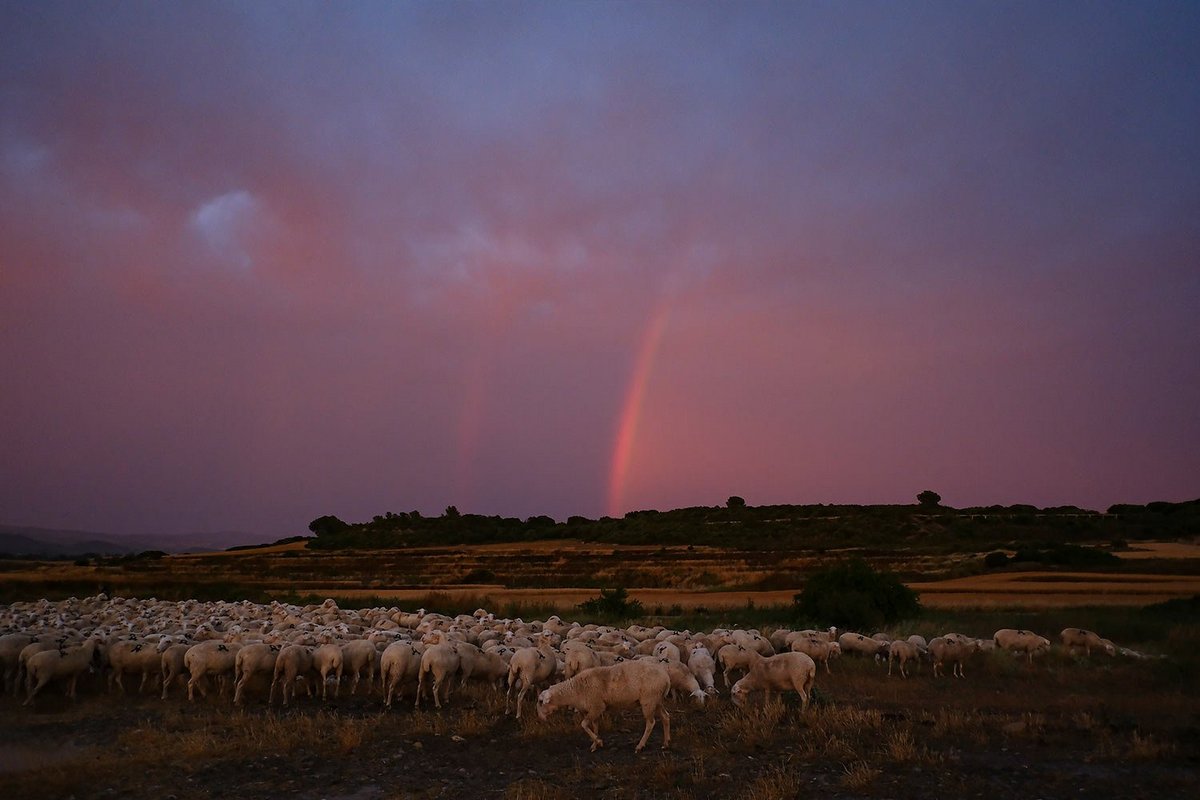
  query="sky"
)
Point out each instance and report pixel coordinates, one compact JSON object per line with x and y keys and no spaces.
{"x":262,"y":262}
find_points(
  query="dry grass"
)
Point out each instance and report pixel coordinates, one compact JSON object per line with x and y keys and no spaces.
{"x":780,"y":782}
{"x":858,"y":776}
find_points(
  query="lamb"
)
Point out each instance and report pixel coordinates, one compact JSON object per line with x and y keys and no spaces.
{"x":903,"y":652}
{"x":953,"y":648}
{"x":293,"y":662}
{"x":629,"y":683}
{"x":1078,"y":637}
{"x":252,"y":660}
{"x":1020,"y":641}
{"x":529,"y":667}
{"x":48,"y":665}
{"x":783,"y":672}
{"x":818,"y":650}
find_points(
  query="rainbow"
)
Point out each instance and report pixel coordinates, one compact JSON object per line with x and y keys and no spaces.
{"x":631,"y":411}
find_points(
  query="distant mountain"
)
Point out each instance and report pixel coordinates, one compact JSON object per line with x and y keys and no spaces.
{"x":31,"y":541}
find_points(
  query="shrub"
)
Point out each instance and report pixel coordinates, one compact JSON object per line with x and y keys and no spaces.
{"x":853,"y":595}
{"x":996,"y":559}
{"x":613,"y":604}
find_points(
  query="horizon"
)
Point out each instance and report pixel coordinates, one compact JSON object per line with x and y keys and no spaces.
{"x":263,"y":263}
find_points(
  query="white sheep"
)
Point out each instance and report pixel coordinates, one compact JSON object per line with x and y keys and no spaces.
{"x":293,"y":663}
{"x":441,"y":661}
{"x":1073,"y":638}
{"x":954,"y":648}
{"x":1021,"y":641}
{"x":629,"y":683}
{"x":529,"y":667}
{"x":329,"y":659}
{"x":819,"y":650}
{"x":210,"y":657}
{"x":358,"y":657}
{"x":399,"y":665}
{"x":784,"y":672}
{"x":902,"y":651}
{"x":136,"y":657}
{"x":55,"y":664}
{"x":250,"y":661}
{"x":861,"y":645}
{"x":703,"y":666}
{"x":172,"y":665}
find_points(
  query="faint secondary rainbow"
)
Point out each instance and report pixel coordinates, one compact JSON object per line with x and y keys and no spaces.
{"x":631,"y":412}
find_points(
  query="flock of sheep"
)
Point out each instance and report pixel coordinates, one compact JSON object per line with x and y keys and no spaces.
{"x":323,"y":648}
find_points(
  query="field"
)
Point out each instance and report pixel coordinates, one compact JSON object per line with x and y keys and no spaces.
{"x":1065,"y":726}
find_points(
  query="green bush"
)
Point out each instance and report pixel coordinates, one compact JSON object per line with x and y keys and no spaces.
{"x":853,"y":595}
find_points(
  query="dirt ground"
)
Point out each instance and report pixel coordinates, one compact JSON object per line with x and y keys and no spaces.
{"x":1064,"y":727}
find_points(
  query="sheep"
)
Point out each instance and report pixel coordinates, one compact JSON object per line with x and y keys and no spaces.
{"x":360,"y":656}
{"x":953,"y":648}
{"x":329,"y":659}
{"x":210,"y":657}
{"x":666,"y":650}
{"x":702,"y":665}
{"x":529,"y":667}
{"x":582,"y":657}
{"x":629,"y":683}
{"x":734,"y":656}
{"x":252,"y":660}
{"x":1078,"y":637}
{"x":135,"y":657}
{"x":786,"y":671}
{"x":293,"y":662}
{"x":48,"y":665}
{"x":441,"y":661}
{"x":1020,"y":641}
{"x":11,"y":645}
{"x":682,"y":680}
{"x":818,"y":650}
{"x":902,"y":651}
{"x":861,"y":645}
{"x":399,"y":665}
{"x":173,"y":665}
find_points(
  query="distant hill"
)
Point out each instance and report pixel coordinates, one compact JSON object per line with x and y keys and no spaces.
{"x":18,"y":540}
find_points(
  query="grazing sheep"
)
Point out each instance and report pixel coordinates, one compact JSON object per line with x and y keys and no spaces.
{"x":399,"y":665}
{"x":1078,"y":637}
{"x":441,"y":661}
{"x":582,"y":657}
{"x":682,"y":680}
{"x":861,"y":645}
{"x":252,"y":660}
{"x":784,"y":672}
{"x":210,"y":657}
{"x":360,"y":656}
{"x":629,"y":683}
{"x":903,"y":652}
{"x":293,"y":663}
{"x":54,"y":664}
{"x":328,"y":659}
{"x":529,"y":667}
{"x":1020,"y":641}
{"x":735,"y":657}
{"x":133,"y":657}
{"x":820,"y":651}
{"x":953,"y":648}
{"x":702,"y":665}
{"x":173,"y":665}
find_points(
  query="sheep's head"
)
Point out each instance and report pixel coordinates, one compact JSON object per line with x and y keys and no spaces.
{"x":699,"y":696}
{"x":739,"y":692}
{"x":545,"y":705}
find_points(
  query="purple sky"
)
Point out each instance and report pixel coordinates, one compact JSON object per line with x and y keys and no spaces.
{"x":261,"y":262}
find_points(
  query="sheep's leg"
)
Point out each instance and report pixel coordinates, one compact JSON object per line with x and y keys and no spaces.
{"x":666,"y":725}
{"x":588,"y":726}
{"x":34,"y":689}
{"x":437,"y":684}
{"x":648,"y":713}
{"x":521,"y":697}
{"x":71,"y":685}
{"x":889,"y":667}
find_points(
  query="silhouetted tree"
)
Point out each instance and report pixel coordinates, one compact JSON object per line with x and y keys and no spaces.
{"x":323,"y":526}
{"x":929,"y":498}
{"x":735,"y":502}
{"x":451,"y":512}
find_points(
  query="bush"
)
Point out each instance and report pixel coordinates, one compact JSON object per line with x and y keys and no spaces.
{"x":853,"y":595}
{"x":613,"y":604}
